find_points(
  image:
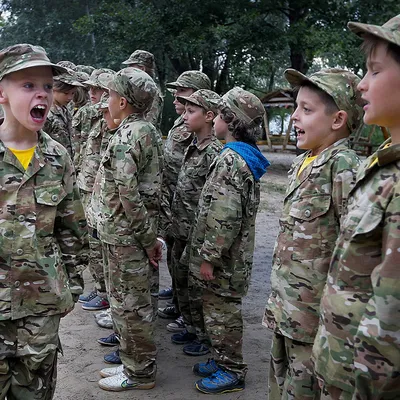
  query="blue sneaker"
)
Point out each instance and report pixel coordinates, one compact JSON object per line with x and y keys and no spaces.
{"x":111,"y":340}
{"x":183,"y":337}
{"x":84,"y":298}
{"x":98,"y":303}
{"x":196,"y":348}
{"x":206,"y":369}
{"x":220,"y":382}
{"x":165,"y":294}
{"x":113,"y":358}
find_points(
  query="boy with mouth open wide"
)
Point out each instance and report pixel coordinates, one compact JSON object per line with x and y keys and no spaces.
{"x":43,"y":236}
{"x":357,"y":348}
{"x":327,"y":112}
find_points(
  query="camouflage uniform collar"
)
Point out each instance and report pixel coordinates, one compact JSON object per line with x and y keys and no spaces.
{"x":45,"y":144}
{"x":179,"y":121}
{"x":131,"y":118}
{"x":388,"y":155}
{"x":203,"y":143}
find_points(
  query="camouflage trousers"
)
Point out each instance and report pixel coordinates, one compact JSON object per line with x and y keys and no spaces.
{"x":96,"y":267}
{"x":28,"y":358}
{"x":291,"y":374}
{"x":330,"y":392}
{"x":129,"y":276}
{"x":188,"y":292}
{"x":224,"y":326}
{"x":169,"y":241}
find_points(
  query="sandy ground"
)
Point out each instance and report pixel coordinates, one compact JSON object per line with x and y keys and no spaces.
{"x":78,"y":370}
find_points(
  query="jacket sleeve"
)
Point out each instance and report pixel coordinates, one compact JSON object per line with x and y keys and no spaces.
{"x":71,"y":231}
{"x":223,"y":213}
{"x":125,"y":167}
{"x":377,"y":341}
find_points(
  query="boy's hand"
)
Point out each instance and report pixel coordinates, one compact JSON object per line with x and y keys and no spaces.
{"x":207,"y":271}
{"x":154,"y":253}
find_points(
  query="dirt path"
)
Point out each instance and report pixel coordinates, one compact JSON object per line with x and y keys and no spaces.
{"x":78,"y":369}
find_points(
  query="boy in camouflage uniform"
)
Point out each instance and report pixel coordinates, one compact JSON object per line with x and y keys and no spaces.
{"x":144,"y":60}
{"x":43,"y":235}
{"x":222,"y":246}
{"x":126,"y":204}
{"x":357,"y":348}
{"x":178,"y":140}
{"x":200,"y":111}
{"x":328,"y":111}
{"x":59,"y":119}
{"x":87,"y":117}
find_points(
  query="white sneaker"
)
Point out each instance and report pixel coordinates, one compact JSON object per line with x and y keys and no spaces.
{"x":120,"y":382}
{"x":103,"y":314}
{"x":177,"y":326}
{"x":107,"y":372}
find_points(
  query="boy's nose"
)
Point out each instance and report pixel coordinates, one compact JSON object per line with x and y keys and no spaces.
{"x":362,"y":86}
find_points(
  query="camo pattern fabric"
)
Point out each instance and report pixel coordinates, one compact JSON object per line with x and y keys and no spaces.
{"x":44,"y":238}
{"x":309,"y":225}
{"x":357,"y":346}
{"x":59,"y":126}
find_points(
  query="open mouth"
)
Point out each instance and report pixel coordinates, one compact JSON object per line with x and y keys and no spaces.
{"x":299,"y":131}
{"x":38,"y":112}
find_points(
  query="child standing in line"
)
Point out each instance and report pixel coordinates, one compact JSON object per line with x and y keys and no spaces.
{"x":43,"y":239}
{"x":222,"y":245}
{"x":357,"y":348}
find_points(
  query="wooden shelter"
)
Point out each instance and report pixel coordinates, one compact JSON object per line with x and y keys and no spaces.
{"x":282,"y":98}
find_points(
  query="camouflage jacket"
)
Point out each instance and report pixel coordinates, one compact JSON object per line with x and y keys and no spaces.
{"x":178,"y":140}
{"x":358,"y":343}
{"x":309,"y":226}
{"x":82,"y":123}
{"x":126,"y":193}
{"x":59,"y":126}
{"x":224,"y":229}
{"x":191,"y":179}
{"x":44,"y":236}
{"x":97,"y":142}
{"x":154,"y":114}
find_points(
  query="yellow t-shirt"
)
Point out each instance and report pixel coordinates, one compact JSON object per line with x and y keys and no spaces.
{"x":375,"y":160}
{"x":24,"y":156}
{"x":307,"y":161}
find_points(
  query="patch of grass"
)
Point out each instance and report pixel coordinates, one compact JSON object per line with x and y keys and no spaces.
{"x":273,"y":187}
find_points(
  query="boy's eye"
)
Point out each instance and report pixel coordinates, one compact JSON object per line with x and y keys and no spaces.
{"x":49,"y":87}
{"x":28,"y":85}
{"x":306,"y":109}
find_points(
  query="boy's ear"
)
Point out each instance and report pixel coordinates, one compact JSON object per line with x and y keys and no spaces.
{"x":210,"y":116}
{"x":3,"y":95}
{"x":122,"y":103}
{"x":340,"y":120}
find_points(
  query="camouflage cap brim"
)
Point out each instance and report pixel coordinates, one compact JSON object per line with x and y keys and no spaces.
{"x":295,"y":78}
{"x":390,"y":31}
{"x":68,"y":79}
{"x":187,"y":99}
{"x":57,"y":69}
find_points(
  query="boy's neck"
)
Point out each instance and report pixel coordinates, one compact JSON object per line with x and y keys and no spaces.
{"x":204,"y":132}
{"x":16,"y":136}
{"x":395,"y":135}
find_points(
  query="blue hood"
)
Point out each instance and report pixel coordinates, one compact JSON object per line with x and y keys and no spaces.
{"x":256,"y":162}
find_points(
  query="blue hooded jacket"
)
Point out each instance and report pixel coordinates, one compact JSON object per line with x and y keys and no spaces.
{"x":253,"y":157}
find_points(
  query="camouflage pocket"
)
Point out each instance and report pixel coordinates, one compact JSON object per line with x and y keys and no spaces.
{"x":314,"y":229}
{"x":47,"y":199}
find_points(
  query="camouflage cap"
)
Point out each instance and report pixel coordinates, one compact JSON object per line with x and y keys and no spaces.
{"x":136,"y":86}
{"x":203,"y":98}
{"x":94,"y":77}
{"x":69,"y":78}
{"x":244,"y":104}
{"x":338,"y":83}
{"x":191,"y":79}
{"x":103,"y":103}
{"x":67,"y":64}
{"x":389,"y":31}
{"x":141,"y":57}
{"x":81,"y":76}
{"x":20,"y":56}
{"x":85,"y":68}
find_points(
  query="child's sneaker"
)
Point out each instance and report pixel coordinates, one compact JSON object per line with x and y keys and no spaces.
{"x":220,"y":382}
{"x":120,"y":382}
{"x":169,"y":312}
{"x":206,"y":369}
{"x":183,"y":337}
{"x":165,"y":294}
{"x":113,"y":358}
{"x":111,"y":371}
{"x":105,"y":322}
{"x":110,"y":340}
{"x":98,"y":303}
{"x":177,"y":326}
{"x":196,"y":348}
{"x":84,"y":298}
{"x":103,"y":314}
